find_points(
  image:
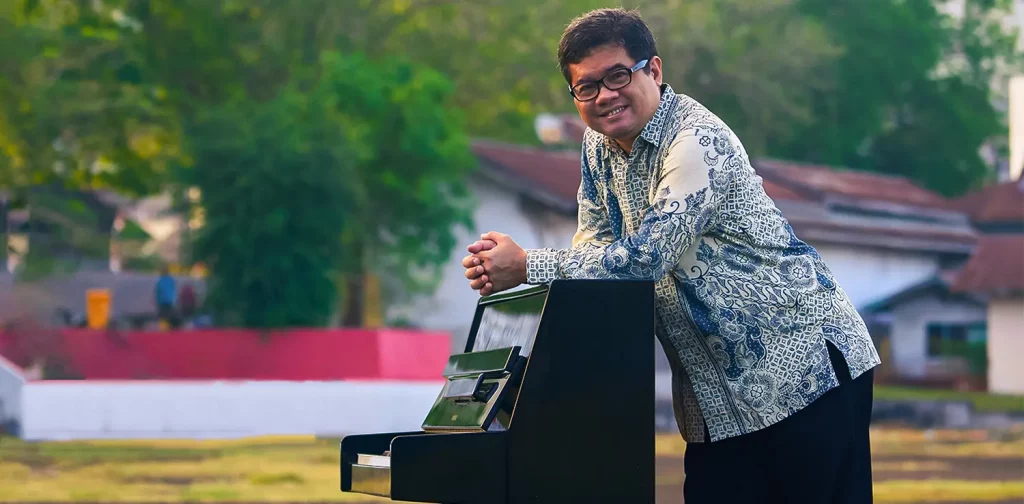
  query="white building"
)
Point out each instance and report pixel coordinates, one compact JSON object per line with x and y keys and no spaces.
{"x":879,"y":234}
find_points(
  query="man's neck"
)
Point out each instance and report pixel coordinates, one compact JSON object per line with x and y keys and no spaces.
{"x":626,"y":144}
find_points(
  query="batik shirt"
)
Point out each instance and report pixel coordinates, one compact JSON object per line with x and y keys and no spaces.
{"x":744,"y":307}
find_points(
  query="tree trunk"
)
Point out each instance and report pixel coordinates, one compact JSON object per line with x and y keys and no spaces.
{"x":352,"y":313}
{"x":4,"y":234}
{"x":354,"y":286}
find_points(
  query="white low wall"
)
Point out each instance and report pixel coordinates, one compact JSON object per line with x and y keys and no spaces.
{"x":62,"y":410}
{"x":12,"y":382}
{"x":67,"y":410}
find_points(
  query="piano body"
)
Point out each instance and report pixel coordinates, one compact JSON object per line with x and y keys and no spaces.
{"x":552,"y":401}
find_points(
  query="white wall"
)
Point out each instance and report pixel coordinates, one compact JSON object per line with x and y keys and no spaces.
{"x":61,"y":410}
{"x":868,"y":274}
{"x":11,"y":383}
{"x":452,"y":305}
{"x":1006,"y":345}
{"x":909,"y":331}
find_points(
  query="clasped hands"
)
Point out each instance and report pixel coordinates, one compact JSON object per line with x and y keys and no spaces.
{"x":495,"y":263}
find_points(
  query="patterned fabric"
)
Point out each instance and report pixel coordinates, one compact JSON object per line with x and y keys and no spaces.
{"x":744,"y":307}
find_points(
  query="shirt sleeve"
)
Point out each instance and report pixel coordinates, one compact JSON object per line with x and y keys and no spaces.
{"x":691,"y":189}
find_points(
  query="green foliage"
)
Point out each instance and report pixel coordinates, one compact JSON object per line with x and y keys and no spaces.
{"x":912,"y":94}
{"x":275,"y":194}
{"x":78,"y":92}
{"x":411,"y":158}
{"x":894,"y":86}
{"x":119,"y":93}
{"x":757,"y":64}
{"x":359,"y":168}
{"x":753,"y":61}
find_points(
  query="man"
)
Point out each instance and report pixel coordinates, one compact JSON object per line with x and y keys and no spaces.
{"x":772,"y":365}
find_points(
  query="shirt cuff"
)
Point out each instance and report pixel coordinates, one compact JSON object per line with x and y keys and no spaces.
{"x":541,"y":266}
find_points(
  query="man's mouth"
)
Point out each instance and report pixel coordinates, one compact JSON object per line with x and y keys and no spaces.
{"x":614,"y":112}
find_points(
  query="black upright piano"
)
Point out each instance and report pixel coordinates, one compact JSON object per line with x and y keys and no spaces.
{"x":552,"y":401}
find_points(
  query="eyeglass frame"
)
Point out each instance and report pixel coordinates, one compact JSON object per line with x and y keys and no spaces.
{"x":600,"y":82}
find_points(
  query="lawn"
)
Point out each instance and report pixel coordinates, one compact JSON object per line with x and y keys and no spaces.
{"x":981,"y":401}
{"x":911,"y":466}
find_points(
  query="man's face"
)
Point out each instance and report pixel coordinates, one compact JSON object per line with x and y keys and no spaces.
{"x":620,"y":114}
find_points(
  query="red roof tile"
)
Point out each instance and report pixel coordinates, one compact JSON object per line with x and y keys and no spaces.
{"x":780,"y":192}
{"x":997,"y":265}
{"x":555,"y":172}
{"x":558,"y":171}
{"x":855,"y":184}
{"x":995,"y":203}
{"x":952,"y":235}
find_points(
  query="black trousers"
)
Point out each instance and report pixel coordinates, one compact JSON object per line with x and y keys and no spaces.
{"x":819,"y":455}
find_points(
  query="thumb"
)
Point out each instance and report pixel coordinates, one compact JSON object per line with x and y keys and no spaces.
{"x":494,"y":236}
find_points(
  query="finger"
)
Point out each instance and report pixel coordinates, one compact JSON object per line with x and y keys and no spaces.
{"x":472,"y":273}
{"x":480,"y":246}
{"x":470,"y":261}
{"x":477,"y":246}
{"x":493,"y":236}
{"x":487,"y":290}
{"x":479,"y":283}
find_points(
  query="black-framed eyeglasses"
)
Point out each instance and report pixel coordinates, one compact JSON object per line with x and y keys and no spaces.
{"x":616,"y":79}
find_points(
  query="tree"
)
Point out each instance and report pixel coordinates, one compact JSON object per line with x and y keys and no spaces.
{"x":752,"y":61}
{"x":925,"y":110}
{"x":755,"y":63}
{"x":274,"y":179}
{"x":412,"y":160}
{"x":356,"y":167}
{"x":83,"y":112}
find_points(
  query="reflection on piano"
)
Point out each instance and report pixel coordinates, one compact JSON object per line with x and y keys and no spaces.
{"x":552,"y":401}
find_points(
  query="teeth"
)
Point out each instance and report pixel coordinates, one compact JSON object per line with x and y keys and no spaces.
{"x":615,"y":112}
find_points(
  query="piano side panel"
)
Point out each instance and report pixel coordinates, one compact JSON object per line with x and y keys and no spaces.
{"x":465,"y":468}
{"x":583,"y":426}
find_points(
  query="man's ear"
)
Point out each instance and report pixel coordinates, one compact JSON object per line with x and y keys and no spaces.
{"x":656,"y":71}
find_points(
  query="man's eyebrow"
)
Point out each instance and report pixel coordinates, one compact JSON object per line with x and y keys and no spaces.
{"x":604,"y":71}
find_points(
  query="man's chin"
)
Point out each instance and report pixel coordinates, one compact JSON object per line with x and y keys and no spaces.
{"x":618,"y":131}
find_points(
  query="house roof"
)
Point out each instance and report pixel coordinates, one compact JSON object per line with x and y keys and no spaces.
{"x":995,"y":203}
{"x":552,"y":176}
{"x":819,"y":180}
{"x":826,"y":204}
{"x":556,"y":172}
{"x":938,"y":286}
{"x":996,"y":267}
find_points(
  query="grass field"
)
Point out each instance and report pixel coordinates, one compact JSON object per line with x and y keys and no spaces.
{"x":981,"y":401}
{"x":910,"y":466}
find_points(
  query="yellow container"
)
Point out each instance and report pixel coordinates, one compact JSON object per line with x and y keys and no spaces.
{"x":97,"y":307}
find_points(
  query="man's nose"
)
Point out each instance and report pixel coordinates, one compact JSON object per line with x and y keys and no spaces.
{"x":605,"y":96}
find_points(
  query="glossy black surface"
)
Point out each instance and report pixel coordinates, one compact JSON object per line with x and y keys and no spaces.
{"x":498,"y":360}
{"x":579,"y":418}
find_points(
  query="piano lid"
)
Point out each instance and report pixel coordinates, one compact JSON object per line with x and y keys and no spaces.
{"x":509,"y":320}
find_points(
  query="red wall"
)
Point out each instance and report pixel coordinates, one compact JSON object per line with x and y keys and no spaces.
{"x":232,"y":354}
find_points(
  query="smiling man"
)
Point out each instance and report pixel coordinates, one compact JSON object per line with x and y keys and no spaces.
{"x":772,"y":366}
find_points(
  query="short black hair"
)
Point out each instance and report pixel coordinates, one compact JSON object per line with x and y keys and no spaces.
{"x":602,"y":27}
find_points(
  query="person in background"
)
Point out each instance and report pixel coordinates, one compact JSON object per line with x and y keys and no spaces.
{"x":166,"y":294}
{"x":187,"y":301}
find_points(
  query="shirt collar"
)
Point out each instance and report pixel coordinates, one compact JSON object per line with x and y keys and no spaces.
{"x":655,"y":128}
